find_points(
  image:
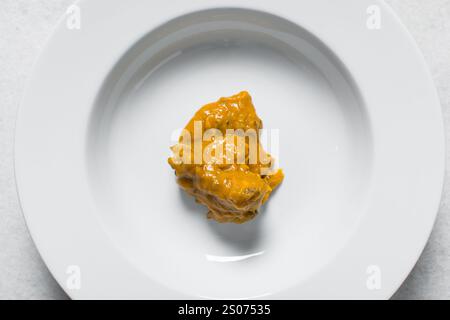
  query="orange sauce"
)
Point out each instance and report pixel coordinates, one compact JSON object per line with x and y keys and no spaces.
{"x":230,"y":183}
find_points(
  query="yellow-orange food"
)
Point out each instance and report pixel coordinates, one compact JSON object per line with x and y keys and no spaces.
{"x":232,"y":190}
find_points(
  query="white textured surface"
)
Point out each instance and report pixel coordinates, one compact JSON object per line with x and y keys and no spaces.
{"x":24,"y":27}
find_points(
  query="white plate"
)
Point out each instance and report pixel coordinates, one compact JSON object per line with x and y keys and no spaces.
{"x":361,"y":143}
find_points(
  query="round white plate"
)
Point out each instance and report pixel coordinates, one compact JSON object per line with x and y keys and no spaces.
{"x":360,"y":140}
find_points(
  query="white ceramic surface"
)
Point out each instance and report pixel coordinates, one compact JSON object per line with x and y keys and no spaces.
{"x":109,"y":202}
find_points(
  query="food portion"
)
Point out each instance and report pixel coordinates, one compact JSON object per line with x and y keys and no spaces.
{"x":220,"y":161}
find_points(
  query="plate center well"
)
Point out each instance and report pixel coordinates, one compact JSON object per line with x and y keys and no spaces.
{"x":298,"y":87}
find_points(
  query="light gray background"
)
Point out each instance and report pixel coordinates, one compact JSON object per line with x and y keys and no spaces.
{"x":24,"y":27}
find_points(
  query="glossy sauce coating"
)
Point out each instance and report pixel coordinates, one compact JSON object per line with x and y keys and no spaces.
{"x":230,"y":183}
